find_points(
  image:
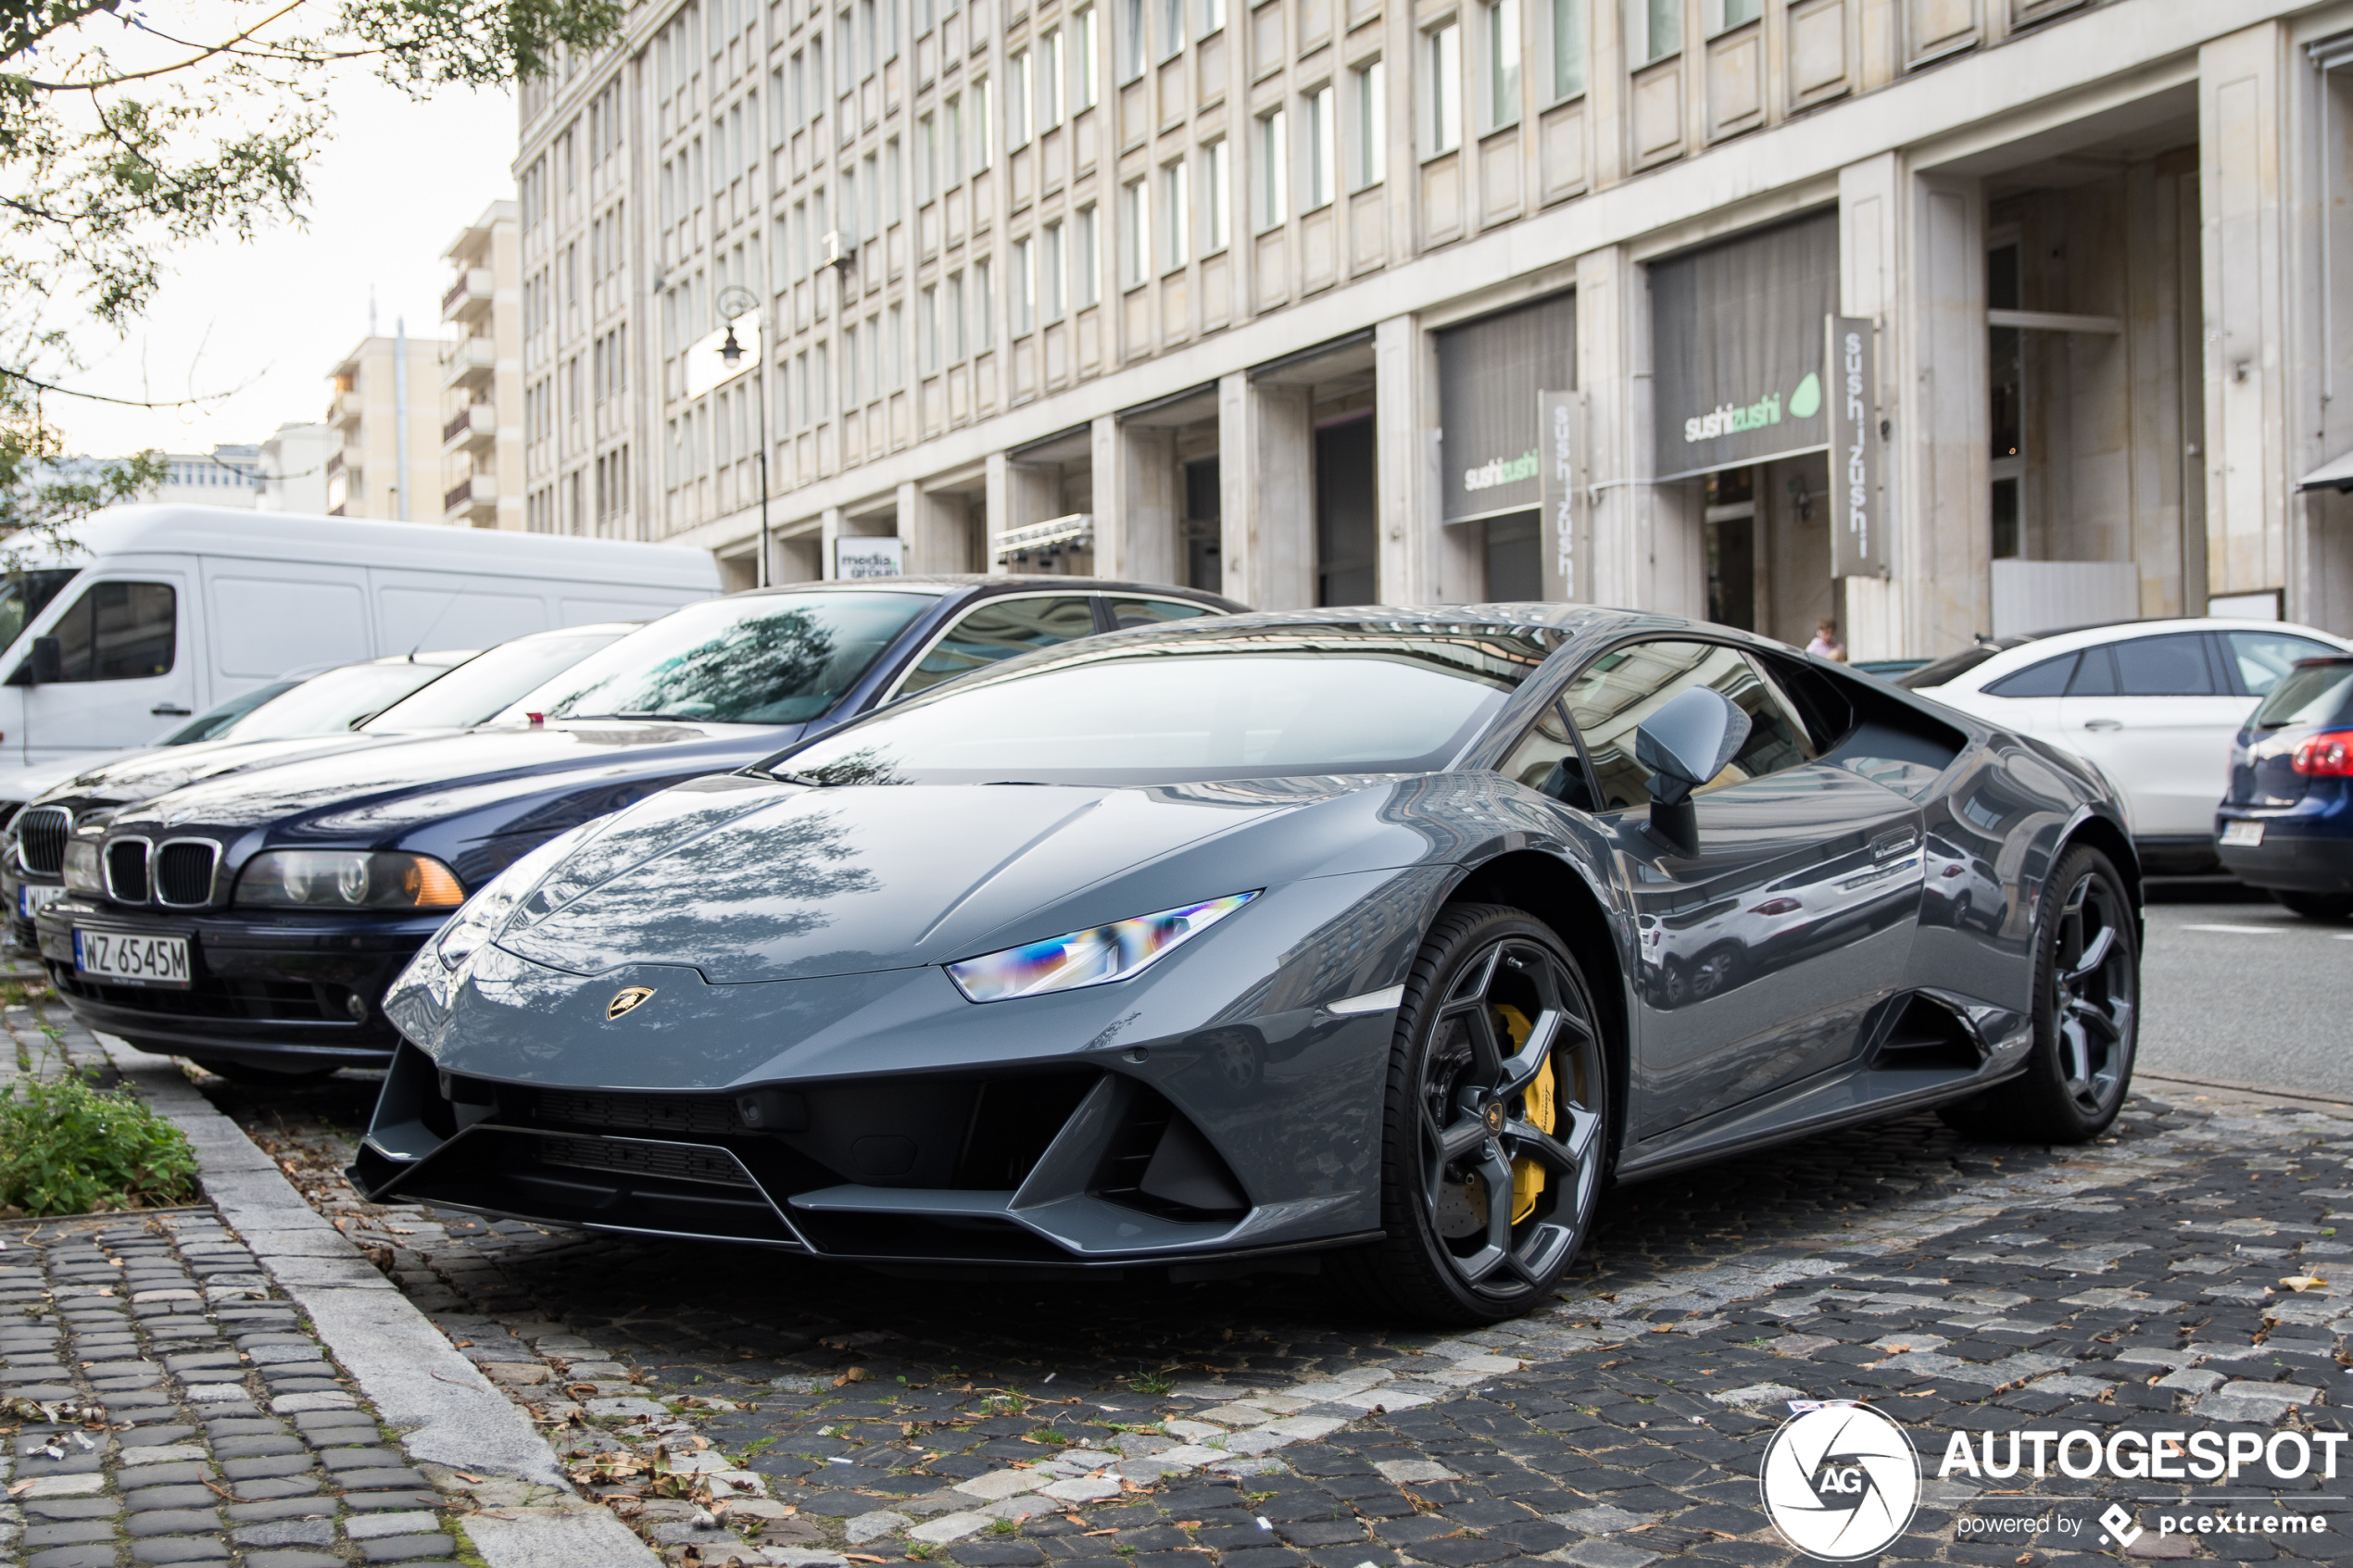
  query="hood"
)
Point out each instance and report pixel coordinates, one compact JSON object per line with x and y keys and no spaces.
{"x":142,"y":776}
{"x":22,"y":784}
{"x":373,"y":793}
{"x":746,"y":881}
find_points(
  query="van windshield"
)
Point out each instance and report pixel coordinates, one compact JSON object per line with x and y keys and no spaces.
{"x":761,"y":658}
{"x":25,"y":595}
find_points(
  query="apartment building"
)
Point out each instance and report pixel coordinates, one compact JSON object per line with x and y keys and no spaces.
{"x":294,"y":468}
{"x":384,"y":411}
{"x":481,"y":374}
{"x":226,"y":476}
{"x":1943,"y":317}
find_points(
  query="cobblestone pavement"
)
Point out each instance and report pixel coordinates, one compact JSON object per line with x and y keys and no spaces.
{"x":737,"y":1404}
{"x":160,"y":1402}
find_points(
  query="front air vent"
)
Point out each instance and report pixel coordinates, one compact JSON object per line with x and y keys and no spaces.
{"x":183,"y":873}
{"x":672,"y":1114}
{"x":127,"y":870}
{"x":1163,"y":1164}
{"x":684,"y":1162}
{"x":41,"y":839}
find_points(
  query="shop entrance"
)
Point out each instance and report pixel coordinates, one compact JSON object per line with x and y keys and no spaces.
{"x":1347,"y":526}
{"x":1768,"y":546}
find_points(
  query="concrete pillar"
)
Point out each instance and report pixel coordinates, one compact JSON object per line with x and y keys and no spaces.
{"x":999,"y":482}
{"x":1405,"y":462}
{"x":1869,"y":610}
{"x":1620,"y":556}
{"x":829,"y":530}
{"x":1266,"y":473}
{"x":933,"y":525}
{"x":2242,"y":185}
{"x":1139,"y":501}
{"x":1943,"y":514}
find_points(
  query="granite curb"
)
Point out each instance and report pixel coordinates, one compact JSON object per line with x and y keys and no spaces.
{"x":453,"y":1423}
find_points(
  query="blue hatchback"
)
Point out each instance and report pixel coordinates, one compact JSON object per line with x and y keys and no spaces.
{"x":2287,"y":824}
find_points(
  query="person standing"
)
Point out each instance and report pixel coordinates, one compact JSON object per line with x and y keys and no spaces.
{"x":1826,"y":644}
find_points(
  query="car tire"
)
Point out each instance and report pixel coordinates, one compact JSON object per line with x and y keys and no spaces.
{"x":2087,"y":1012}
{"x":1469,"y":1090}
{"x":258,"y":1077}
{"x":2317,"y":906}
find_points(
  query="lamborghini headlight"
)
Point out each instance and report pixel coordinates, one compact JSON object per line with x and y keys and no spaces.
{"x":485,"y":914}
{"x":1093,"y":957}
{"x":347,"y":879}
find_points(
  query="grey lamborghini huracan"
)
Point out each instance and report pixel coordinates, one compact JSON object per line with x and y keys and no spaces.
{"x":1388,"y":936}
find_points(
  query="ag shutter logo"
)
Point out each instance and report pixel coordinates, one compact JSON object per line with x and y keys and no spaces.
{"x":1841,"y":1481}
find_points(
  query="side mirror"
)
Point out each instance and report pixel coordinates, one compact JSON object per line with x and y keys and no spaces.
{"x":1685,"y":744}
{"x":48,"y":661}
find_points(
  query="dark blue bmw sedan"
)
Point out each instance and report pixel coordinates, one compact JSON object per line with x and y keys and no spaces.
{"x":252,"y":922}
{"x":2287,"y":824}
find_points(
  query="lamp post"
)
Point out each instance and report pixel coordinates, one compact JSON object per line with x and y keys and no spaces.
{"x":735,"y":302}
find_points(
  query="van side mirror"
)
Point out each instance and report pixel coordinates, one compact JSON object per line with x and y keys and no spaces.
{"x":1685,"y":744}
{"x":48,"y":661}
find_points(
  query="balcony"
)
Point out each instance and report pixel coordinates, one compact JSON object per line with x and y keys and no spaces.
{"x":474,"y":425}
{"x":472,"y":502}
{"x":349,"y":407}
{"x":469,"y":363}
{"x":469,"y":297}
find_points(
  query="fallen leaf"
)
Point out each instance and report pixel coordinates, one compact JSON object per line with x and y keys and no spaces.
{"x":470,"y":1480}
{"x":855,"y":1374}
{"x":1898,"y":1349}
{"x":20,"y":1489}
{"x":858,"y":1557}
{"x":2303,"y":1282}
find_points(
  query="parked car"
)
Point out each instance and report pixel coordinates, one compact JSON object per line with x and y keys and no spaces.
{"x":357,"y":705}
{"x":1371,"y":936}
{"x":19,"y":785}
{"x":252,"y":922}
{"x":2287,"y":826}
{"x":2152,"y":704}
{"x":161,"y":613}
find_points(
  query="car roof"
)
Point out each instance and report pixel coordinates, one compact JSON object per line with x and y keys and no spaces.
{"x":2023,"y":648}
{"x":944,"y":582}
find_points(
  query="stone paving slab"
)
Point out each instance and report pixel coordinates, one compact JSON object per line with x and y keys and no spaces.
{"x":1962,"y":1288}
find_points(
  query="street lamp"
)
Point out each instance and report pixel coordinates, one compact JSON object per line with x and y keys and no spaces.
{"x":733,"y":302}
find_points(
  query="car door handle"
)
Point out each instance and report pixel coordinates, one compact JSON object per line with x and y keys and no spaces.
{"x":170,"y":710}
{"x":1889,"y":845}
{"x":2103,"y":723}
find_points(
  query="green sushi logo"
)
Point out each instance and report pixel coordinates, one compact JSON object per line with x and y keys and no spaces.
{"x":1730,"y":418}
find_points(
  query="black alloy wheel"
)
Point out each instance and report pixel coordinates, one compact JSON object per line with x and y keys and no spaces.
{"x":1497,"y":1126}
{"x":2087,"y":1012}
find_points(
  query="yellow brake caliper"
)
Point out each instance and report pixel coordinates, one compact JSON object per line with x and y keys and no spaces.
{"x":1528,"y":1176}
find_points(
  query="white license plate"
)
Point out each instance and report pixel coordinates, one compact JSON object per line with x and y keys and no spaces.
{"x":35,"y":897}
{"x":136,"y":961}
{"x":2242,"y":834}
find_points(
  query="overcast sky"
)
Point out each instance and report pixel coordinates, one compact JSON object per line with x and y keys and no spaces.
{"x":270,"y":318}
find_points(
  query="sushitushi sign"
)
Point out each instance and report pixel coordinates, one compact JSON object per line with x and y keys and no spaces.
{"x":1492,"y":373}
{"x":1737,"y":347}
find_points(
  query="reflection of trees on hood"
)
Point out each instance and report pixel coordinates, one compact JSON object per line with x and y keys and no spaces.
{"x":864,"y":766}
{"x":736,"y":675}
{"x":745,"y":892}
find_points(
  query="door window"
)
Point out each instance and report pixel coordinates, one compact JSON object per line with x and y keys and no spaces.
{"x":118,"y":632}
{"x":1620,"y":689}
{"x":1151,"y":612}
{"x":2046,"y":678}
{"x":2260,"y":658}
{"x":2168,"y":666}
{"x":1546,"y":762}
{"x":999,"y":630}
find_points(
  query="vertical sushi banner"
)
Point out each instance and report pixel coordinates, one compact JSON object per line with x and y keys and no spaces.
{"x":1860,"y":535}
{"x":1560,"y":444}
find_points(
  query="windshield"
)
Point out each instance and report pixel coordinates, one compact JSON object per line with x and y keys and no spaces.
{"x":25,"y":595}
{"x":2318,"y":692}
{"x":766,"y":658}
{"x":328,"y":704}
{"x":1952,"y":667}
{"x":207,"y":726}
{"x":477,"y":690}
{"x":1260,"y":704}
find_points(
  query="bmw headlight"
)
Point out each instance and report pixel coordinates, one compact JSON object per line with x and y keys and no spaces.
{"x":81,"y":866}
{"x":485,"y":914}
{"x":347,"y":879}
{"x":1093,"y":957}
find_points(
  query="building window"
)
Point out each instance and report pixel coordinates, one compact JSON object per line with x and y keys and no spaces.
{"x":1500,"y":22}
{"x":1176,"y":215}
{"x":1025,"y":300}
{"x":1730,"y":14}
{"x":927,"y":329}
{"x":955,"y":317}
{"x":1136,"y":234}
{"x":984,"y":308}
{"x":954,"y":145}
{"x":1442,"y":55}
{"x":1084,"y":91}
{"x":984,"y":128}
{"x":1213,"y":16}
{"x":1018,"y":100}
{"x":1656,"y":27}
{"x":849,"y":366}
{"x":1131,"y":40}
{"x":1323,"y":158}
{"x":1274,"y":199}
{"x":1569,"y":47}
{"x":1089,"y":260}
{"x":1215,"y":196}
{"x":1051,"y":65}
{"x":1050,"y":260}
{"x":1172,"y":28}
{"x":1372,"y":126}
{"x":926,"y":159}
{"x":895,"y":364}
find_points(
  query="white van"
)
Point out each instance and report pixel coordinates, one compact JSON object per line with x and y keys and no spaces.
{"x":167,"y":611}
